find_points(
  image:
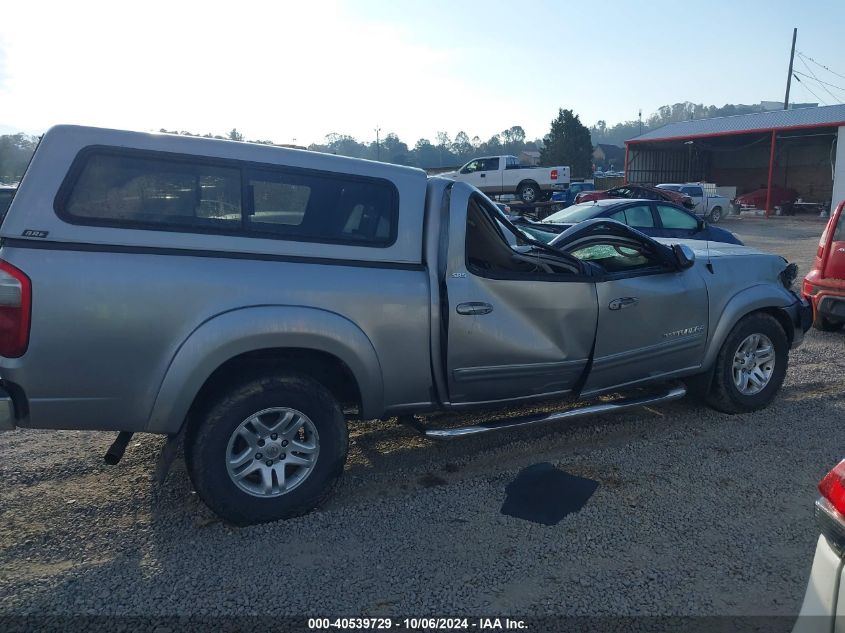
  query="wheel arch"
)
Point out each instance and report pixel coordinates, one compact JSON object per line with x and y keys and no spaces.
{"x":528,"y":181}
{"x":764,"y":298}
{"x":268,"y":338}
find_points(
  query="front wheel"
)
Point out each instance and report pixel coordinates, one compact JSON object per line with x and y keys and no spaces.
{"x":716,"y":215}
{"x":528,"y":193}
{"x":271,"y":448}
{"x":751,"y":365}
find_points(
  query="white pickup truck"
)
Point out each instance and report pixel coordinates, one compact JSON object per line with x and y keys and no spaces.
{"x":503,"y":174}
{"x":708,"y":204}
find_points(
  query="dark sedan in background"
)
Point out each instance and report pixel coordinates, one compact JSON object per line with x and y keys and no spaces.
{"x":636,"y":192}
{"x":654,"y":218}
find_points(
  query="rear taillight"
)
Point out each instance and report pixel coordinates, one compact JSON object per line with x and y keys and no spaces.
{"x":822,"y":241}
{"x":554,"y":174}
{"x":832,"y":487}
{"x":15,"y":310}
{"x":831,"y":507}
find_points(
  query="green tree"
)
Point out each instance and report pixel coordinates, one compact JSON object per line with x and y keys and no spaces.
{"x":234,"y":135}
{"x":462,"y":147}
{"x":344,"y":145}
{"x":445,"y":156}
{"x":395,"y":151}
{"x":513,"y":139}
{"x":568,"y":143}
{"x":492,"y":146}
{"x":426,"y":154}
{"x":15,"y":152}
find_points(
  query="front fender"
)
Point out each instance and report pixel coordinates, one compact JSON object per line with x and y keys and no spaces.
{"x":742,"y":303}
{"x":230,"y":334}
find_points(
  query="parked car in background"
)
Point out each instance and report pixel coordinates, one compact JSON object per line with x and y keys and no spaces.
{"x":823,"y":609}
{"x":706,"y":202}
{"x":657,"y":219}
{"x":496,"y":175}
{"x":7,"y":192}
{"x":636,"y":192}
{"x":567,"y":196}
{"x":781,"y":197}
{"x":270,"y":336}
{"x":824,"y":285}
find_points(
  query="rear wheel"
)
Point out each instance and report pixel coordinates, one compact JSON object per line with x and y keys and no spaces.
{"x":715,"y":214}
{"x":751,"y":365}
{"x":826,"y":325}
{"x":271,"y":448}
{"x":528,"y":192}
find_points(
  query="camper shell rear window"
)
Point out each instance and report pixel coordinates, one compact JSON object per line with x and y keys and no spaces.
{"x":162,"y":191}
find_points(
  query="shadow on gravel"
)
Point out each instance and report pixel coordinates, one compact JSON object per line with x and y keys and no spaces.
{"x":544,"y":494}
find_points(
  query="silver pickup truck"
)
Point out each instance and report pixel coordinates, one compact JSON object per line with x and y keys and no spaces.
{"x":249,"y":301}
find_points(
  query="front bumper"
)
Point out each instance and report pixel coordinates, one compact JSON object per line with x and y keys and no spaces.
{"x":831,"y":306}
{"x":801,"y":315}
{"x":7,"y":412}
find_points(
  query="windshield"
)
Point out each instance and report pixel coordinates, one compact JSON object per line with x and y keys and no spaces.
{"x":670,"y":187}
{"x":575,"y":213}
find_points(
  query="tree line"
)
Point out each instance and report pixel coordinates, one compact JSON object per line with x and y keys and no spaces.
{"x":684,"y":111}
{"x":568,"y":141}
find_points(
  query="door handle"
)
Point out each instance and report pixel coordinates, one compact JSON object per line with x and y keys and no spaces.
{"x":474,"y":307}
{"x":623,"y":302}
{"x":483,"y":175}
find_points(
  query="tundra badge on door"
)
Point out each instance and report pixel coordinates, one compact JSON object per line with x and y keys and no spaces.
{"x":685,"y":332}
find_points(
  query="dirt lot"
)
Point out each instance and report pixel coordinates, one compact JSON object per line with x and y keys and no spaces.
{"x":695,"y":513}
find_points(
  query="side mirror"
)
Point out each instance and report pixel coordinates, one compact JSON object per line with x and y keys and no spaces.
{"x":684,"y":255}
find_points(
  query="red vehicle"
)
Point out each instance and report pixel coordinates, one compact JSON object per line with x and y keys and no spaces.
{"x":824,"y":286}
{"x":781,"y":197}
{"x":637,"y":192}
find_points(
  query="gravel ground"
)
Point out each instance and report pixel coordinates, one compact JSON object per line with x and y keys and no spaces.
{"x":696,"y":513}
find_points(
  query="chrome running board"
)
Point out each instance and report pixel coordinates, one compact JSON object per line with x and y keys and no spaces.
{"x":671,"y":393}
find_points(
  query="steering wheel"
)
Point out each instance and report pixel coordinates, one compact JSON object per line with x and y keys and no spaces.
{"x":633,"y":255}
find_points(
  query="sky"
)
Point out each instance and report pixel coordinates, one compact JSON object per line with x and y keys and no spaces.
{"x":294,"y":71}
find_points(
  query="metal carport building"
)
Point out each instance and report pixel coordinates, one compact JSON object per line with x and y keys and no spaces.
{"x":802,"y":149}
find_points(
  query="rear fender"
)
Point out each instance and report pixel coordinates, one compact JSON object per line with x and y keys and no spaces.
{"x":231,"y":334}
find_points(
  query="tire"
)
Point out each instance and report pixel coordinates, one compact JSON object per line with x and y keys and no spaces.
{"x":528,"y":192}
{"x":715,"y":215}
{"x":826,"y":325}
{"x":227,"y":428}
{"x":725,"y":395}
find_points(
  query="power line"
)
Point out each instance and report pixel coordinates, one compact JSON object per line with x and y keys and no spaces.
{"x":822,"y":83}
{"x":826,"y":83}
{"x":822,"y":65}
{"x":798,"y":79}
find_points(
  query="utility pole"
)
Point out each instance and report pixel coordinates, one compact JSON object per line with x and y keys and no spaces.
{"x":378,"y":147}
{"x":640,"y":115}
{"x":789,"y":76}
